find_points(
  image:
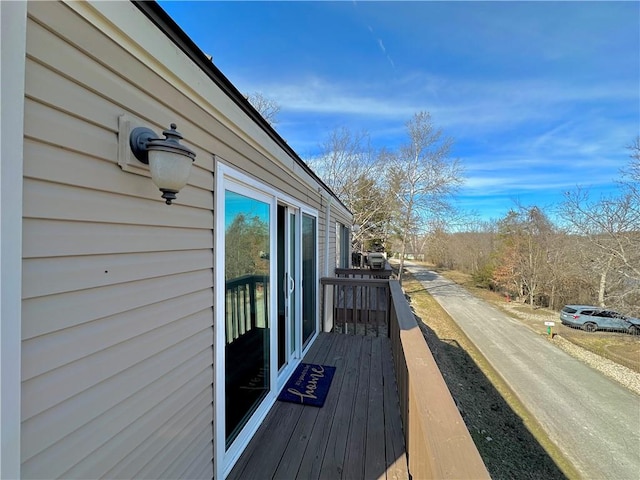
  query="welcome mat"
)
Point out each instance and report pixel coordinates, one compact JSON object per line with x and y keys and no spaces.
{"x":308,"y":385}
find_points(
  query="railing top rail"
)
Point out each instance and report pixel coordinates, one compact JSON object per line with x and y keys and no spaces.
{"x":387,"y":271}
{"x":405,"y":317}
{"x":246,"y":279}
{"x":354,"y":281}
{"x":440,"y":445}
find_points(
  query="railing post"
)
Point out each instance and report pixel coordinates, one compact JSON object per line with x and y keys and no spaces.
{"x":328,"y":307}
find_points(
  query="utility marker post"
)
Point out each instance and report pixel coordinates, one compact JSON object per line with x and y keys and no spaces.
{"x":550,"y":326}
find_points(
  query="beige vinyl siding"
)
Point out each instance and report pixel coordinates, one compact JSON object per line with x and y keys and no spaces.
{"x":331,"y":247}
{"x":342,"y":216}
{"x":147,"y":104}
{"x":117,"y":360}
{"x":321,"y":225}
{"x":117,"y":310}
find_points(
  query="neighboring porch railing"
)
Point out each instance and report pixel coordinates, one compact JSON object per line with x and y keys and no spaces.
{"x":385,"y":272}
{"x":357,"y":306}
{"x":437,"y":441}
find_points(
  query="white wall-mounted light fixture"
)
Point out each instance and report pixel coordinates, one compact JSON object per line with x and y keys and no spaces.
{"x":169,"y":161}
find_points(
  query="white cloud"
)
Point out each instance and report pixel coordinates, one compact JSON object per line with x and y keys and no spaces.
{"x":478,"y":105}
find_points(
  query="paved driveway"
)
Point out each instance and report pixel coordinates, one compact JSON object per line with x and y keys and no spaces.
{"x":592,"y":419}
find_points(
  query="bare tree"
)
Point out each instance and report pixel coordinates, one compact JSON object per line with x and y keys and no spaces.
{"x":423,"y":177}
{"x":353,"y":169}
{"x":266,"y":107}
{"x":526,"y":246}
{"x":633,"y":170}
{"x":560,"y":270}
{"x":473,"y":249}
{"x":611,"y":225}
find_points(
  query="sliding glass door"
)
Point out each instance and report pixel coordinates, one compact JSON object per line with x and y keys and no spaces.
{"x":266,"y":303}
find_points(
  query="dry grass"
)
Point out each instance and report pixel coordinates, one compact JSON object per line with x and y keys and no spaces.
{"x":617,"y":347}
{"x":509,"y":439}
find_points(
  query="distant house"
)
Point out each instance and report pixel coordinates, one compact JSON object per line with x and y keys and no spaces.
{"x":141,"y":339}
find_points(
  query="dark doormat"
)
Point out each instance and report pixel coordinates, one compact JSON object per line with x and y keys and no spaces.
{"x":308,"y":385}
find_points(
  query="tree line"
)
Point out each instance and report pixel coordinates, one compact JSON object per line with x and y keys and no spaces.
{"x":402,"y":201}
{"x":589,"y":255}
{"x":393,"y":194}
{"x":584,"y":250}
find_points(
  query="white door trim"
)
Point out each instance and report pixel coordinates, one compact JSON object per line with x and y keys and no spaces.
{"x":227,"y":178}
{"x":13,"y":29}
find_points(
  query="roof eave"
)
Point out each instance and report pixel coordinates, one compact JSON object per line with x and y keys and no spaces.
{"x":154,"y":12}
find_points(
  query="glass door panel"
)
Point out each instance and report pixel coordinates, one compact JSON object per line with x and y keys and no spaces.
{"x":283,"y":287}
{"x":308,"y":277}
{"x":287,"y":292}
{"x":293,"y":268}
{"x":247,"y":279}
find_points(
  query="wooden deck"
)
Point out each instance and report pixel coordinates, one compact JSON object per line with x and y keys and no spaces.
{"x":357,"y":434}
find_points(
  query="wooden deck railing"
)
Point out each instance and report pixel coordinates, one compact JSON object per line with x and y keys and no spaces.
{"x":356,"y":301}
{"x":437,"y":441}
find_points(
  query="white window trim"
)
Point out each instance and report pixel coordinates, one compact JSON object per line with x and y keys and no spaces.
{"x":284,"y":374}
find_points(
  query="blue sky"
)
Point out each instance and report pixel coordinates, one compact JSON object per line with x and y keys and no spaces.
{"x":539,"y":97}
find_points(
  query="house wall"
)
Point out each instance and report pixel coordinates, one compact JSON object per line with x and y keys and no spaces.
{"x":117,"y":287}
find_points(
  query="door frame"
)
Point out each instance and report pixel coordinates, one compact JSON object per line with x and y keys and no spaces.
{"x":228,"y":178}
{"x":293,"y":300}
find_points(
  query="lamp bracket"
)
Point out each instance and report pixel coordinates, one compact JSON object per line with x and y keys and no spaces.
{"x":138,"y":140}
{"x":126,"y":159}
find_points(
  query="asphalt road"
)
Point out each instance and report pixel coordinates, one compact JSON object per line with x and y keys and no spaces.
{"x":593,"y":420}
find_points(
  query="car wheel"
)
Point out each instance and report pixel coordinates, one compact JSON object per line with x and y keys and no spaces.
{"x":633,"y":330}
{"x":589,"y":327}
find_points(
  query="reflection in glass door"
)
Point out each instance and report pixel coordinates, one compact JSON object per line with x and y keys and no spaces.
{"x":247,"y":345}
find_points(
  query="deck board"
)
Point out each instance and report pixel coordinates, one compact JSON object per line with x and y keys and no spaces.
{"x":336,"y":443}
{"x":356,"y":434}
{"x":375,"y":439}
